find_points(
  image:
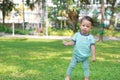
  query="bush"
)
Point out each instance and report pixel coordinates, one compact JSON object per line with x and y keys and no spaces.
{"x":95,"y":31}
{"x":19,"y":31}
{"x":2,"y":28}
{"x":60,"y":32}
{"x":6,"y":29}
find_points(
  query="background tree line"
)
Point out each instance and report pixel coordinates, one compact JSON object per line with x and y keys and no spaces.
{"x":63,"y":8}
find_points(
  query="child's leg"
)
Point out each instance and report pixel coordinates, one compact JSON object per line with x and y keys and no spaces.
{"x":85,"y":65}
{"x":86,"y":78}
{"x":67,"y":78}
{"x":70,"y":68}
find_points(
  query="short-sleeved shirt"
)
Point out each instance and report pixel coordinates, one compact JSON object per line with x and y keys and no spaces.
{"x":82,"y":44}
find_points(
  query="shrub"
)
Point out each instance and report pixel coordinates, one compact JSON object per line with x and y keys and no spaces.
{"x":2,"y":28}
{"x":60,"y":32}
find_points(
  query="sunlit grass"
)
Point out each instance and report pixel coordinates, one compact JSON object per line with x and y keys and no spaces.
{"x":42,"y":59}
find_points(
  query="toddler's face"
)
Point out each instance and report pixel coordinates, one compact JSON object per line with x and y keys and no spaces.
{"x":85,"y":26}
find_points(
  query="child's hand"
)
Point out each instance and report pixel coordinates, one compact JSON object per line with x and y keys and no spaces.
{"x":64,"y":43}
{"x":68,"y":42}
{"x":93,"y":58}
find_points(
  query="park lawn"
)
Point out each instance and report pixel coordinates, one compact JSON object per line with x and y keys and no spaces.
{"x":42,"y":59}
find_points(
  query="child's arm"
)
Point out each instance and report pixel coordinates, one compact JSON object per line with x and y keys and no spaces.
{"x":70,"y":43}
{"x":93,"y":53}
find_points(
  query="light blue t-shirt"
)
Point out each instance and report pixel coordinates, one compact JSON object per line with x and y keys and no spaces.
{"x":82,"y":44}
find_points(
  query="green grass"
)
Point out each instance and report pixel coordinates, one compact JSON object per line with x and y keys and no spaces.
{"x":41,"y":59}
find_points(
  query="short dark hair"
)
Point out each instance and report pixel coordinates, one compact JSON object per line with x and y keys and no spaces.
{"x":87,"y":18}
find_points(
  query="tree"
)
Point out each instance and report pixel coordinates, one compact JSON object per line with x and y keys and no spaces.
{"x":6,"y":7}
{"x":64,"y":6}
{"x":113,"y":8}
{"x":71,"y":12}
{"x":101,"y":31}
{"x":72,"y":19}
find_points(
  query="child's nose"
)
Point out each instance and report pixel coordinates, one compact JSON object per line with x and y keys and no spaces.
{"x":85,"y":27}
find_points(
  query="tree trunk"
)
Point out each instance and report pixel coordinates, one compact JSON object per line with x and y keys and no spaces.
{"x":101,"y":31}
{"x":3,"y":12}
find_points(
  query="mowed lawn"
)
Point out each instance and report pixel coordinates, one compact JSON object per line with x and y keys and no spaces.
{"x":42,"y":59}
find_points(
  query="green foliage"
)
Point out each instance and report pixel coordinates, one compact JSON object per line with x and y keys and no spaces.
{"x":95,"y":31}
{"x":20,"y":31}
{"x":6,"y":7}
{"x":9,"y":30}
{"x":2,"y":28}
{"x":30,"y":4}
{"x":107,"y":32}
{"x":41,"y":59}
{"x":118,"y":9}
{"x":96,"y":22}
{"x":111,"y":32}
{"x":60,"y":32}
